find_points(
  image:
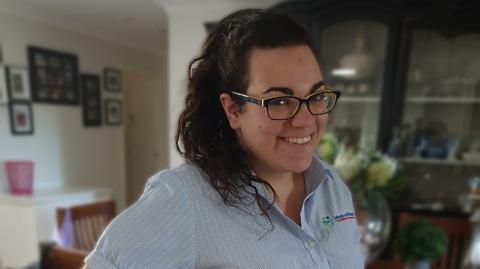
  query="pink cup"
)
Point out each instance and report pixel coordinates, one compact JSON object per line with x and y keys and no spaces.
{"x":20,"y":177}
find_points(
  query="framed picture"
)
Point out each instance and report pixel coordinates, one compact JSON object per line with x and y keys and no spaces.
{"x":53,"y":76}
{"x":18,"y":84}
{"x":91,"y":102}
{"x":113,"y":112}
{"x":3,"y":85}
{"x":21,"y":120}
{"x":112,"y":79}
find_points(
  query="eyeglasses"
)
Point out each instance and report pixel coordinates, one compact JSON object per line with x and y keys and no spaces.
{"x":286,"y":107}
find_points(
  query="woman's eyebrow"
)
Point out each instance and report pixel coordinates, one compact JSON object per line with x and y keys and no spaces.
{"x":284,"y":90}
{"x":316,"y":86}
{"x":289,"y":91}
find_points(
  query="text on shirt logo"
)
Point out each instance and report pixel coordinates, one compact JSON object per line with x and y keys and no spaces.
{"x":330,"y":221}
{"x":345,"y":216}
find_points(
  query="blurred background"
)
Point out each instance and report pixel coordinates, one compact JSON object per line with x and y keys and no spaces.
{"x":90,"y":92}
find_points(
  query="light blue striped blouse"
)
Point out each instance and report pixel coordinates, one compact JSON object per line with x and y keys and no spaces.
{"x":181,"y":222}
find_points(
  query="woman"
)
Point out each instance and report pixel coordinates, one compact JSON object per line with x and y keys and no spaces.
{"x":251,"y":194}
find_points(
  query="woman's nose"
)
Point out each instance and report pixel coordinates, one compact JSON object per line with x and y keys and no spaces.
{"x":303,"y":117}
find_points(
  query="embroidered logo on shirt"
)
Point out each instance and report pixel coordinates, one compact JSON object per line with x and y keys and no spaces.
{"x":328,"y":221}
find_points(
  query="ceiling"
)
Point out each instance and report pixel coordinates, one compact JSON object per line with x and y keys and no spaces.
{"x":139,"y":24}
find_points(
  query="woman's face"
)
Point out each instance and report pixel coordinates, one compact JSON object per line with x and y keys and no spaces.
{"x":279,"y":146}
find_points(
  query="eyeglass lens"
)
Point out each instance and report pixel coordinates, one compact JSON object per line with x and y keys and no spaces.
{"x":285,"y":107}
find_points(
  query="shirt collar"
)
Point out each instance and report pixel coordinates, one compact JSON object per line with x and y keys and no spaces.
{"x":313,"y":176}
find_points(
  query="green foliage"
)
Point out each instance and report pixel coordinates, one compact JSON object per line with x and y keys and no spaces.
{"x":395,"y":187}
{"x":328,"y":148}
{"x":420,"y":240}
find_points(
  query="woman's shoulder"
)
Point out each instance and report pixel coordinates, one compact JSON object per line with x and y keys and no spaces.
{"x":162,"y":215}
{"x":187,"y":180}
{"x":166,"y":200}
{"x":164,"y":192}
{"x":174,"y":177}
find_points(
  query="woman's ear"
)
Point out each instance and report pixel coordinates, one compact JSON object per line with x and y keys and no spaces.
{"x":231,"y":110}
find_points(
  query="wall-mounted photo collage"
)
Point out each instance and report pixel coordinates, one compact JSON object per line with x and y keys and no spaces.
{"x":53,"y":77}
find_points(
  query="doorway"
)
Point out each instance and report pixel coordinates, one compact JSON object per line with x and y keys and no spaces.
{"x":145,"y":130}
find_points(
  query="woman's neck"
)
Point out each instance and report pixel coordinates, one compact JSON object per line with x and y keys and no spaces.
{"x":290,"y":190}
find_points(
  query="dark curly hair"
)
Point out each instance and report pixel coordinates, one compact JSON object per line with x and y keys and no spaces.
{"x":204,"y":136}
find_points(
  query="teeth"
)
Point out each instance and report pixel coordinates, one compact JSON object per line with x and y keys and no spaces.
{"x":298,"y":140}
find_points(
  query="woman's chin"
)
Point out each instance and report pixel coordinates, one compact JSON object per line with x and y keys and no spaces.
{"x":298,"y":165}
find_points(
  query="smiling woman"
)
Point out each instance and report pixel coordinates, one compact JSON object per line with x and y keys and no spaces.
{"x":251,"y":194}
{"x":279,"y":147}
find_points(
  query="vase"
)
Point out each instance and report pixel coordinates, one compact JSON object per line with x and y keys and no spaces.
{"x":472,"y":257}
{"x":374,"y":220}
{"x":417,"y":265}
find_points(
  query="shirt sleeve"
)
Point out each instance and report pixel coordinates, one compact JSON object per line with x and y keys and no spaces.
{"x":155,"y":232}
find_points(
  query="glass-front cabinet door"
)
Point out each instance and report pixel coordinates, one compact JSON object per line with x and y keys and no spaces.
{"x":352,"y":56}
{"x":441,"y":112}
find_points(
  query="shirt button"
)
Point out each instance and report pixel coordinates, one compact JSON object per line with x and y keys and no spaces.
{"x":312,"y":244}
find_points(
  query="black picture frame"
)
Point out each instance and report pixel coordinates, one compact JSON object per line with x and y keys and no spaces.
{"x":91,"y":100}
{"x":113,"y":112}
{"x":112,"y":79}
{"x":21,"y":117}
{"x":53,"y":76}
{"x":18,"y":83}
{"x":3,"y":85}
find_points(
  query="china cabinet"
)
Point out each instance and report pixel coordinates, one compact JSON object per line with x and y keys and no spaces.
{"x":353,"y":55}
{"x":409,"y":72}
{"x":441,"y":108}
{"x":356,"y":43}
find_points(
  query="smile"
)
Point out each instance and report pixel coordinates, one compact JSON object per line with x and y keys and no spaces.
{"x":297,"y":140}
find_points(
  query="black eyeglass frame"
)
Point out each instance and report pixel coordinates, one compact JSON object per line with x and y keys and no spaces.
{"x":264,"y":102}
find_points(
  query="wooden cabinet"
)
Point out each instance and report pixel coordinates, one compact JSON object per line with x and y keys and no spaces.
{"x":410,"y":81}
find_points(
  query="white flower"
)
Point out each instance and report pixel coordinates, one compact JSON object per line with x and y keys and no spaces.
{"x":378,"y":173}
{"x":347,"y":164}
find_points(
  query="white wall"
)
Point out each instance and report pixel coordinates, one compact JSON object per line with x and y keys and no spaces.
{"x":186,"y":33}
{"x":65,"y":152}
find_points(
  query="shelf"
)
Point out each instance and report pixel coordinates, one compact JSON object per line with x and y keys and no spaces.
{"x":474,"y":197}
{"x":49,"y":195}
{"x":359,"y":99}
{"x":444,"y":100}
{"x":438,"y":161}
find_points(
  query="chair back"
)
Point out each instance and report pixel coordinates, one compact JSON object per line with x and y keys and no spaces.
{"x":88,"y":222}
{"x":56,"y":257}
{"x":458,"y":232}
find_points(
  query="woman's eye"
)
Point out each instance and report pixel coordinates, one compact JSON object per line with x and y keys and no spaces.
{"x":318,"y":97}
{"x":280,"y":102}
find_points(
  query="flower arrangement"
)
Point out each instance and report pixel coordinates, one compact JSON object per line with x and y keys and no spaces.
{"x":365,"y":171}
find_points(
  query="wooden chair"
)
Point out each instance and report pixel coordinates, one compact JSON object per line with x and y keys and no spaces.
{"x":88,"y":222}
{"x":56,"y":257}
{"x":458,"y":234}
